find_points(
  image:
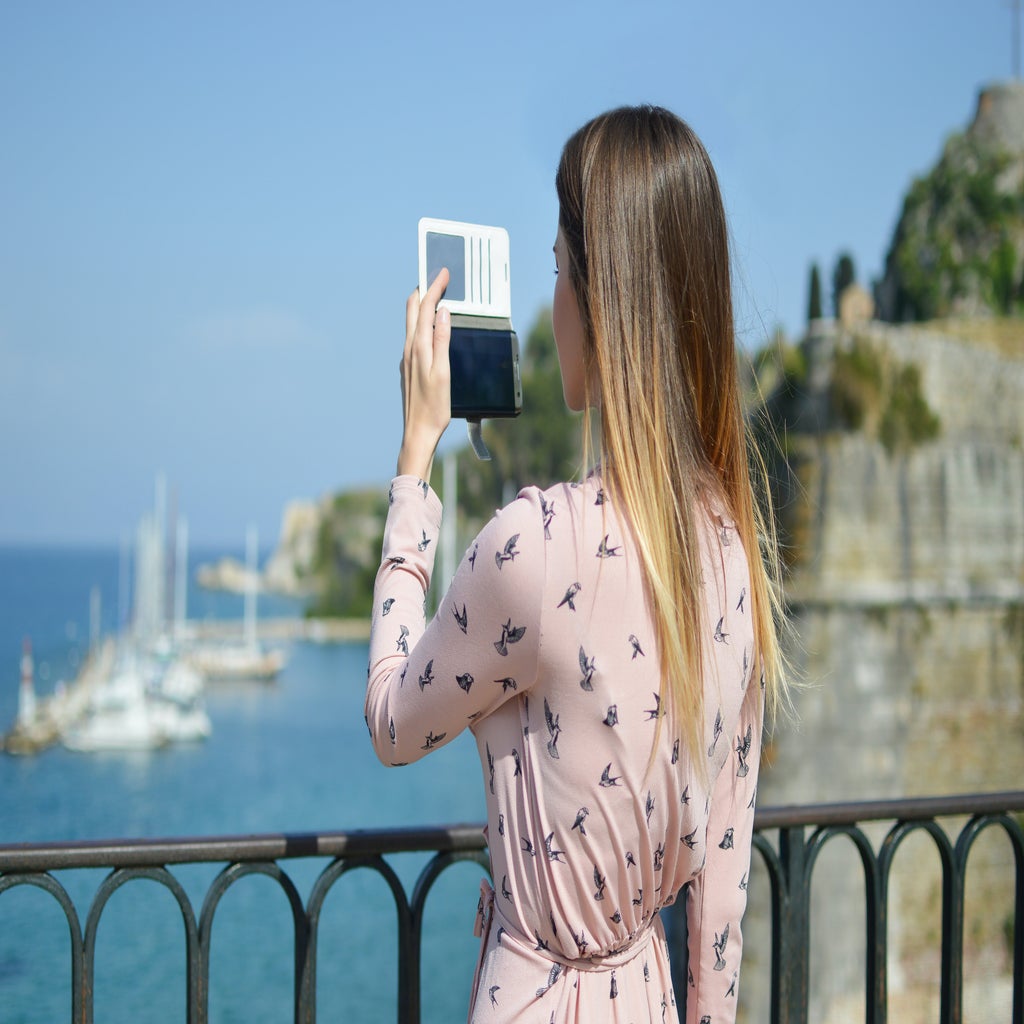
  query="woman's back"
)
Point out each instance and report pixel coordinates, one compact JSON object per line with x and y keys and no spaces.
{"x":549,"y":610}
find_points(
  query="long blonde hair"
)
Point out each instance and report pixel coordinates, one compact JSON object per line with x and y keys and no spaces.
{"x":642,"y":216}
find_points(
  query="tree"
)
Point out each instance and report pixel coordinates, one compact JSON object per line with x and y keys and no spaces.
{"x":842,"y":277}
{"x":814,"y":305}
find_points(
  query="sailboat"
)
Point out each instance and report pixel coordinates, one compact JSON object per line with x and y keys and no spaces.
{"x":248,"y":659}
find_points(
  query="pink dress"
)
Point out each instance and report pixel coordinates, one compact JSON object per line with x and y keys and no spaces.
{"x":544,"y":647}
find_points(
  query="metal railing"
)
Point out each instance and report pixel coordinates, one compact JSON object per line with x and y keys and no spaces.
{"x":790,"y":863}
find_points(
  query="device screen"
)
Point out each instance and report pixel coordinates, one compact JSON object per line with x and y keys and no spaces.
{"x":447,"y":251}
{"x":483,"y":373}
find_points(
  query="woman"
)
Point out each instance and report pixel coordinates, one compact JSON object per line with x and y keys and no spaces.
{"x":610,"y":643}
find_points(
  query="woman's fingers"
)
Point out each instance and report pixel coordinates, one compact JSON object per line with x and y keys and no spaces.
{"x":425,"y":376}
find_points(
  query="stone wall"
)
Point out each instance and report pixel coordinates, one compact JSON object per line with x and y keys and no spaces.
{"x":907,"y":607}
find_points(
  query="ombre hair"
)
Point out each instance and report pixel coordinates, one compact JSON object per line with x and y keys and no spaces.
{"x":642,"y":217}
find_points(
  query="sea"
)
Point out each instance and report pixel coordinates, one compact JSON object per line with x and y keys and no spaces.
{"x":290,"y":756}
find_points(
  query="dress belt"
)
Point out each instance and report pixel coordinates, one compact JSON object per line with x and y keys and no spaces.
{"x":487,"y":909}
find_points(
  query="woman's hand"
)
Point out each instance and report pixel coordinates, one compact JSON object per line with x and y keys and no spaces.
{"x":426,"y":379}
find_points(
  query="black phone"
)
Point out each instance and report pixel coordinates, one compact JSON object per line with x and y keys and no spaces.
{"x":484,"y":363}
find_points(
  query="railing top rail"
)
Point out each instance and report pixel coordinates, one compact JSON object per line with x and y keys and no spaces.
{"x":237,"y":848}
{"x":18,"y":857}
{"x":903,"y":809}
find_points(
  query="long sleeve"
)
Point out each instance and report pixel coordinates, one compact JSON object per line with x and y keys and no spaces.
{"x":717,"y":897}
{"x":426,"y":683}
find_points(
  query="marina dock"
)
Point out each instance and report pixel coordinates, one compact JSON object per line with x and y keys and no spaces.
{"x":44,"y":721}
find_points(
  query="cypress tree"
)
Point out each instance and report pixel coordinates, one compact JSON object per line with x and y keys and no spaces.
{"x":842,"y":277}
{"x":814,"y":304}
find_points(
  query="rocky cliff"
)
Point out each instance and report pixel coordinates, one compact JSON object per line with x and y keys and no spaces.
{"x":959,"y":243}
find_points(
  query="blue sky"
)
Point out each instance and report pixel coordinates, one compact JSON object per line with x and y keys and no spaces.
{"x":208,"y":210}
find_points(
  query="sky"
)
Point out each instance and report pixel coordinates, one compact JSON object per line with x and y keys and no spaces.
{"x":208,"y":210}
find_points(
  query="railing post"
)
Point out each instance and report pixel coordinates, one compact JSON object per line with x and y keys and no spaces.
{"x":791,"y":932}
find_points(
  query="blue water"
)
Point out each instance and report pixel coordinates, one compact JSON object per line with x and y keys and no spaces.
{"x":287,"y":757}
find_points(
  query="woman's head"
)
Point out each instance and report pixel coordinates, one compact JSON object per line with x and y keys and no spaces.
{"x":647,"y":257}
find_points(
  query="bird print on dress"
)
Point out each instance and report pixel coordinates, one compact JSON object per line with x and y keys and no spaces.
{"x":731,"y":990}
{"x":461,"y":618}
{"x":580,"y":940}
{"x":654,"y":713}
{"x":720,"y":636}
{"x":675,"y":752}
{"x":603,"y":551}
{"x":432,"y":740}
{"x":527,"y":846}
{"x":519,"y":764}
{"x":649,"y":808}
{"x":612,"y":717}
{"x":501,"y":825}
{"x":424,"y":543}
{"x":394,"y":561}
{"x":509,"y":635}
{"x":509,"y":553}
{"x":685,"y":796}
{"x":689,"y":841}
{"x":465,"y":681}
{"x":472,"y":558}
{"x":570,"y":595}
{"x":553,"y":854}
{"x":637,"y":649}
{"x":581,"y":816}
{"x":490,"y":766}
{"x":402,"y":643}
{"x":494,"y":989}
{"x":507,"y":683}
{"x":717,"y":733}
{"x":607,"y":779}
{"x":547,"y":514}
{"x":554,"y":729}
{"x":719,"y":947}
{"x":599,"y":881}
{"x":743,"y":597}
{"x":386,"y":606}
{"x":428,"y":675}
{"x":659,"y":854}
{"x":616,"y":918}
{"x":630,"y":859}
{"x":599,"y":499}
{"x":425,"y":488}
{"x":742,"y":750}
{"x":614,"y":990}
{"x":726,"y":843}
{"x":505,"y":890}
{"x":743,"y":882}
{"x":391,"y":730}
{"x":587,"y":668}
{"x":553,"y":975}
